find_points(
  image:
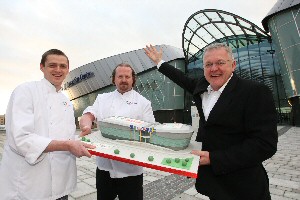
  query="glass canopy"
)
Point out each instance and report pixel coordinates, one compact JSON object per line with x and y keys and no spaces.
{"x":252,"y":49}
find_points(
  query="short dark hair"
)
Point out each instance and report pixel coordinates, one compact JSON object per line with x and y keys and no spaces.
{"x":52,"y":52}
{"x":133,"y":74}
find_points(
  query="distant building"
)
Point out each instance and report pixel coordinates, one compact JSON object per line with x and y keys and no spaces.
{"x":283,"y":22}
{"x":2,"y":119}
{"x":2,"y":122}
{"x":83,"y":84}
{"x":258,"y":57}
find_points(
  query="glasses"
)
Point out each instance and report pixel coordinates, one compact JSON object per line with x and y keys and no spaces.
{"x":219,"y":63}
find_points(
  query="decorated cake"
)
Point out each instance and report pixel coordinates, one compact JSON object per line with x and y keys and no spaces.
{"x":175,"y":136}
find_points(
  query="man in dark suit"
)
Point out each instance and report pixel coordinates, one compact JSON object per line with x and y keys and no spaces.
{"x":238,"y":126}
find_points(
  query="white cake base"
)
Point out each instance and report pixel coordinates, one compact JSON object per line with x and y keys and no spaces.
{"x":164,"y":159}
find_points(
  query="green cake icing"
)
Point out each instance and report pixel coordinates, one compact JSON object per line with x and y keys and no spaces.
{"x":181,"y":163}
{"x":132,"y":155}
{"x":116,"y":151}
{"x":150,"y":158}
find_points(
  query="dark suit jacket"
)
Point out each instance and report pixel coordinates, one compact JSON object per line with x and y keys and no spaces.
{"x":240,"y":133}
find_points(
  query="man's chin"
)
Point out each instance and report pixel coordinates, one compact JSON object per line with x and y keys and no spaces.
{"x":123,"y":90}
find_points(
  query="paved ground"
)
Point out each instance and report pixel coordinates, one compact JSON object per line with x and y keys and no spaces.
{"x":283,"y":170}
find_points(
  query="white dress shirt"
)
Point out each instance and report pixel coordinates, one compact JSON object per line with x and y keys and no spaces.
{"x":37,"y":114}
{"x":210,"y":98}
{"x":130,"y":104}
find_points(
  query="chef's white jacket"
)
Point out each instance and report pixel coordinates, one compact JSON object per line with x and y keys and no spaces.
{"x":37,"y":114}
{"x":130,"y":104}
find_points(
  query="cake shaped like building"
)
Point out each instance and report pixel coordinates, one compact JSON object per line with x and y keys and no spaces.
{"x":174,"y":136}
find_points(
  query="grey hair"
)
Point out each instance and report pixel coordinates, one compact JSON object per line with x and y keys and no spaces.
{"x":218,"y":46}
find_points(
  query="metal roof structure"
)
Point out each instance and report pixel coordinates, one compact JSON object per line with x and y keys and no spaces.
{"x":252,"y":47}
{"x":96,"y":75}
{"x":210,"y":26}
{"x":280,"y":6}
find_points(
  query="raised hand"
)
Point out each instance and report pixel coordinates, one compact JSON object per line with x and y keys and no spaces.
{"x":153,"y":54}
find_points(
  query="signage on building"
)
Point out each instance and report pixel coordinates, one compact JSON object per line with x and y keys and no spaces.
{"x":78,"y":79}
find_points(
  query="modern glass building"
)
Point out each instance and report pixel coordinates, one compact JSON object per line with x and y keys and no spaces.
{"x":83,"y":84}
{"x":259,"y":57}
{"x":252,"y":47}
{"x":283,"y":23}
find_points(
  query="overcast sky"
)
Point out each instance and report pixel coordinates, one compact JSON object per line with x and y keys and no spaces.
{"x":89,"y":30}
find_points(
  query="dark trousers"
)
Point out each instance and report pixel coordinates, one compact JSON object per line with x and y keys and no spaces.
{"x":125,"y":188}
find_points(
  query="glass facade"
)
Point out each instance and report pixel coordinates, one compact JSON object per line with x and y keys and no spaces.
{"x":284,"y":28}
{"x":283,"y":22}
{"x":163,"y":93}
{"x":252,"y":48}
{"x":271,"y":61}
{"x":84,"y":83}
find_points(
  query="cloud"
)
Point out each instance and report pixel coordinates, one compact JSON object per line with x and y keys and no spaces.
{"x":91,"y":30}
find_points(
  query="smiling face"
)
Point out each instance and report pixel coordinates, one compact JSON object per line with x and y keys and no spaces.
{"x":218,"y":67}
{"x":55,"y":69}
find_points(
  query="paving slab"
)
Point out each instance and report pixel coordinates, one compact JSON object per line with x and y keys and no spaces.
{"x":283,"y":170}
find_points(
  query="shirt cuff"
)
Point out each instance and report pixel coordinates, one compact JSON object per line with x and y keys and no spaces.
{"x":89,"y":109}
{"x":36,"y":151}
{"x":160,"y":63}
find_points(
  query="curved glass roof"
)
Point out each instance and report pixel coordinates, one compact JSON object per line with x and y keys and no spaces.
{"x":210,"y":26}
{"x":252,"y":48}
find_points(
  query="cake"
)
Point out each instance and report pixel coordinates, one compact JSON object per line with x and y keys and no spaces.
{"x":174,"y":136}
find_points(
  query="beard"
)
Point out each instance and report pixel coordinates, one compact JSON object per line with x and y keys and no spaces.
{"x":124,"y":87}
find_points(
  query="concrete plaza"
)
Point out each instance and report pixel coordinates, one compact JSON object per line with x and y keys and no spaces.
{"x":283,"y":170}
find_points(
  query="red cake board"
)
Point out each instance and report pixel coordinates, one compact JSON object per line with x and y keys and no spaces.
{"x":105,"y":148}
{"x":142,"y":164}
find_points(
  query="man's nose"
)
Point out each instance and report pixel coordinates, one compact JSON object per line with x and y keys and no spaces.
{"x":214,"y":67}
{"x":59,"y":68}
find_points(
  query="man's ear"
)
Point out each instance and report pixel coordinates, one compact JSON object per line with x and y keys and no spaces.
{"x":113,"y":80}
{"x":233,"y":65}
{"x":42,"y":67}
